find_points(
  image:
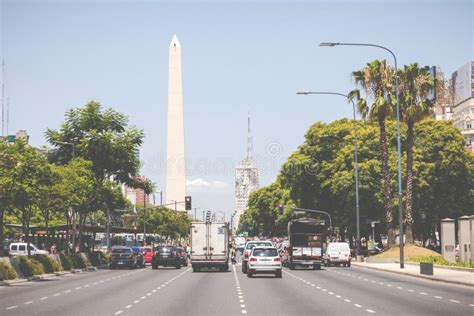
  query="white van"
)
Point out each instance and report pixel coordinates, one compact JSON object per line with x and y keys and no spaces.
{"x":19,"y":248}
{"x":338,"y":253}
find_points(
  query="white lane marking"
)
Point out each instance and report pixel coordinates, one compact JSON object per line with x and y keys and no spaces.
{"x":324,"y":290}
{"x":454,"y":301}
{"x":389,"y":285}
{"x":370,"y":311}
{"x":12,"y":307}
{"x":438,"y":296}
{"x":44,"y":298}
{"x":154,"y":291}
{"x":240,"y":296}
{"x":118,"y":313}
{"x":79,"y":287}
{"x":242,"y":305}
{"x":471,"y":304}
{"x":241,"y":301}
{"x":357,"y":305}
{"x":366,"y":280}
{"x":399,"y":287}
{"x":422,"y":293}
{"x":318,"y":287}
{"x":29,"y":302}
{"x":143,"y":297}
{"x":128,"y":306}
{"x":313,"y":285}
{"x":68,"y":291}
{"x":410,"y":290}
{"x":148,"y":294}
{"x":57,"y":294}
{"x":244,"y":311}
{"x":338,"y":296}
{"x":330,"y":293}
{"x":347,"y":301}
{"x":87,"y":285}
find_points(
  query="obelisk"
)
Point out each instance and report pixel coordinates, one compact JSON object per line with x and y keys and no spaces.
{"x":175,"y":163}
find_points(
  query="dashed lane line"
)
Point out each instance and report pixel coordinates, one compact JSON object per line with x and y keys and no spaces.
{"x":329,"y":292}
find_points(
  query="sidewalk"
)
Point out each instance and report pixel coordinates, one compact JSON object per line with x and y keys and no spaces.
{"x":442,"y":275}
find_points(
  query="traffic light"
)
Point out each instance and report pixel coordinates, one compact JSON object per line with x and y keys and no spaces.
{"x":187,"y":203}
{"x":208,"y":216}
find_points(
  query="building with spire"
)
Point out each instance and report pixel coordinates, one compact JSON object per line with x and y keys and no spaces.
{"x":246,"y":178}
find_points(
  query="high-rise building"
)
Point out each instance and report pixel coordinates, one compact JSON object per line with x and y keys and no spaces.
{"x":246,"y":179}
{"x":137,"y":197}
{"x":463,"y":96}
{"x":175,"y":159}
{"x":443,"y":108}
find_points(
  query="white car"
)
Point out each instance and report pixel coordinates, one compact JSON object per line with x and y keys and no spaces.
{"x":264,"y":260}
{"x":338,"y":253}
{"x":248,"y":249}
{"x":19,"y":248}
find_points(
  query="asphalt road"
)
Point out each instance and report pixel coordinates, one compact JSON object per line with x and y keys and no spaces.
{"x":169,"y":291}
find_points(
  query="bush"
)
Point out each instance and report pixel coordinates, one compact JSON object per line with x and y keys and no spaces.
{"x":30,"y":267}
{"x":97,"y":258}
{"x":79,"y":261}
{"x":6,"y":271}
{"x":49,"y":264}
{"x":441,"y":261}
{"x":66,"y":261}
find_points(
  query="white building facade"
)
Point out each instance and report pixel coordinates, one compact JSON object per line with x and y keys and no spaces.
{"x":246,"y":180}
{"x":463,"y":116}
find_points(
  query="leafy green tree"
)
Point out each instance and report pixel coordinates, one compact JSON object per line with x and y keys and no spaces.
{"x":103,"y":137}
{"x":415,"y":86}
{"x":31,"y":173}
{"x":376,"y":80}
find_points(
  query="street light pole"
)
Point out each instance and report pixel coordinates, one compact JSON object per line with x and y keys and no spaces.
{"x":356,"y":167}
{"x":400,"y":193}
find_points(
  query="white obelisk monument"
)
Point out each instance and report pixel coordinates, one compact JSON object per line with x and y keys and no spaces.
{"x":175,"y":163}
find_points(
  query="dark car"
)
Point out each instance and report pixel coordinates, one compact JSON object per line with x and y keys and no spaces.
{"x":123,"y":257}
{"x":166,"y":256}
{"x":140,"y":256}
{"x":183,"y":255}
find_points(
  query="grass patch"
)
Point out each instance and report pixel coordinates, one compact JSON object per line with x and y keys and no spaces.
{"x":80,"y":261}
{"x":410,"y":251}
{"x":6,"y":271}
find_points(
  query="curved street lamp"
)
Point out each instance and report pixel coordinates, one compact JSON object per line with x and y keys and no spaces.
{"x":400,"y":193}
{"x":356,"y":169}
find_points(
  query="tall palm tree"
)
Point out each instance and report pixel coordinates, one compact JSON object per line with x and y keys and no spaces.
{"x":415,"y":86}
{"x":376,"y":80}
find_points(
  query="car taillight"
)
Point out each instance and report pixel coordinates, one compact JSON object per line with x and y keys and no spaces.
{"x":253,"y":259}
{"x":277,"y":259}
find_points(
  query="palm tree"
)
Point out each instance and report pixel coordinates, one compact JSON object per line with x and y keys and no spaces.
{"x":376,"y":80}
{"x":415,"y":86}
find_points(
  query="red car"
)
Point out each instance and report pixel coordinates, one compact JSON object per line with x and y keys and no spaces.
{"x":148,"y":254}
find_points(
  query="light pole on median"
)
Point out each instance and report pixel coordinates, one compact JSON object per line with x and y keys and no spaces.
{"x":400,"y":193}
{"x":356,"y":171}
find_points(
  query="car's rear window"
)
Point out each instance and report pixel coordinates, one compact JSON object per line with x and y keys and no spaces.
{"x":265,"y":253}
{"x":146,"y":250}
{"x":260,"y":244}
{"x":136,"y":249}
{"x":165,"y":249}
{"x":122,"y":250}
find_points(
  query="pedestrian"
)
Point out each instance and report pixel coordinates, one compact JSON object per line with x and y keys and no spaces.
{"x":53,"y":249}
{"x":232,"y":256}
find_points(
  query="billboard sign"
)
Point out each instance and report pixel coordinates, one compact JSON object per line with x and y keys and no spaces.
{"x":462,"y":83}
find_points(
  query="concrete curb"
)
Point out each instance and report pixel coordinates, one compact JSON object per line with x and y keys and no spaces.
{"x":421,"y":276}
{"x":45,"y":276}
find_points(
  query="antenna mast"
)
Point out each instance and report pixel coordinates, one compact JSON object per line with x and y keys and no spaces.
{"x":3,"y":97}
{"x":249,"y":141}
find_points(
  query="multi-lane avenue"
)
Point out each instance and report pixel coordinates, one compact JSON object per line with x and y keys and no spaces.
{"x":169,"y":291}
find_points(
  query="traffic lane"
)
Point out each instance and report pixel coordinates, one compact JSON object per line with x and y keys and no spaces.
{"x":207,"y":292}
{"x":390,"y":300}
{"x":26,"y":291}
{"x":438,"y":289}
{"x":95,"y":299}
{"x":267,"y":295}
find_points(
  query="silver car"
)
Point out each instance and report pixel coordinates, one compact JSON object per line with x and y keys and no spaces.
{"x":265,"y":260}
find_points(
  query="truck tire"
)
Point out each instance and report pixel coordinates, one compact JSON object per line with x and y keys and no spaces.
{"x":349,"y":264}
{"x":291,"y":266}
{"x":195,"y":269}
{"x":244,"y":268}
{"x":178,"y":266}
{"x":317,"y":267}
{"x":154,"y":266}
{"x":249,"y":274}
{"x":278,"y":274}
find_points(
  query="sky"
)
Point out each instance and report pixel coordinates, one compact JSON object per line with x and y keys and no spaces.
{"x":237,"y":57}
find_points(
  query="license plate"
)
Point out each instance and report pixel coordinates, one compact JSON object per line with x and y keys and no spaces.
{"x":264,"y":259}
{"x":120,"y":263}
